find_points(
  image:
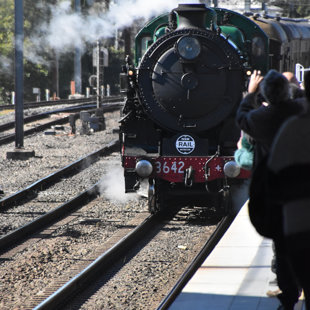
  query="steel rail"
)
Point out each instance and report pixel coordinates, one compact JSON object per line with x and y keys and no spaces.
{"x":96,"y":269}
{"x":36,"y":104}
{"x":198,"y":260}
{"x":43,"y":115}
{"x":21,"y":233}
{"x":11,"y":137}
{"x":36,"y":117}
{"x":43,"y":183}
{"x":15,"y":237}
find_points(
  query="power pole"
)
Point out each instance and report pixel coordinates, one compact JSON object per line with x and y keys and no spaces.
{"x":77,"y":58}
{"x":19,"y":74}
{"x":98,"y":74}
{"x":19,"y":152}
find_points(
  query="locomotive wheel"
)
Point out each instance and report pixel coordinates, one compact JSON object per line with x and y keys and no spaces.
{"x":155,"y":197}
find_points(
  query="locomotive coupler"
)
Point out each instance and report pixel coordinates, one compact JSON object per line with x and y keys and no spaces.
{"x":189,"y":177}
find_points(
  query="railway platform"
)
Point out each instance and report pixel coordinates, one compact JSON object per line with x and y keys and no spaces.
{"x":236,"y":276}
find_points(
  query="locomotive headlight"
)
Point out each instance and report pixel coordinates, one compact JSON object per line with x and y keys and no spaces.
{"x":144,"y":168}
{"x":231,"y":169}
{"x":188,"y":47}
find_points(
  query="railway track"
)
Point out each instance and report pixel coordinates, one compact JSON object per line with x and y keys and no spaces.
{"x":196,"y":262}
{"x":10,"y":137}
{"x":39,"y":266}
{"x":101,"y":265}
{"x":31,"y":105}
{"x":45,"y":182}
{"x":81,"y":275}
{"x":115,"y":258}
{"x":15,"y":237}
{"x":44,"y":227}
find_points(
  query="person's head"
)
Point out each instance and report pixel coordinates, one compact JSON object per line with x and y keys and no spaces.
{"x":275,"y":87}
{"x":307,"y":84}
{"x":291,"y":78}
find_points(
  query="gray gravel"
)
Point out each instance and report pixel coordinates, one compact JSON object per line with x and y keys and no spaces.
{"x":31,"y":270}
{"x":51,"y":153}
{"x":28,"y":273}
{"x":148,"y":277}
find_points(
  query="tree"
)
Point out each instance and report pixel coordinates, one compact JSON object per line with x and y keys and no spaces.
{"x":40,"y":59}
{"x":34,"y":71}
{"x":6,"y":48}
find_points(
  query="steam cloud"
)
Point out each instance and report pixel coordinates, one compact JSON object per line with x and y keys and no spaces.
{"x":6,"y":65}
{"x":112,"y":186}
{"x":68,"y":29}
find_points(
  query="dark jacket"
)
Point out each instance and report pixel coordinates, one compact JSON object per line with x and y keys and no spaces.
{"x":263,"y":122}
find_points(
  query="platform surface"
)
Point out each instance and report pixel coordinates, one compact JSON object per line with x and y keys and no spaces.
{"x":237,"y":274}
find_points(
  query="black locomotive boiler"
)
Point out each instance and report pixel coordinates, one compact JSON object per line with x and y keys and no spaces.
{"x":183,"y":88}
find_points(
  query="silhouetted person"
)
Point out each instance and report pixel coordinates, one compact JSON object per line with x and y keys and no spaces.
{"x":289,"y":186}
{"x":262,"y":122}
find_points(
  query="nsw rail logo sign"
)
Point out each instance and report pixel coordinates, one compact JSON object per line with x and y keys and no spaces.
{"x":185,"y":144}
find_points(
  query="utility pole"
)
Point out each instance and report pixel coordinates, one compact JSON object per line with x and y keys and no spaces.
{"x":19,"y":152}
{"x":77,"y":58}
{"x":19,"y":74}
{"x":98,"y":74}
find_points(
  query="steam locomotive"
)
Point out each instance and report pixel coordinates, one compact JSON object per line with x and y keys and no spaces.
{"x":183,"y":88}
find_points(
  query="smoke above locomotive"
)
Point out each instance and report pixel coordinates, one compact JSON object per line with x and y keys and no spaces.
{"x":68,"y":28}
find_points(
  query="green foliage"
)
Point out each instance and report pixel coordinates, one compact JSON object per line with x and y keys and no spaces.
{"x":6,"y":48}
{"x":40,"y":71}
{"x":35,"y":74}
{"x":6,"y":27}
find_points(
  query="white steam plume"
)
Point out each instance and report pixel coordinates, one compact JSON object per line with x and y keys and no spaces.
{"x":6,"y":66}
{"x":112,"y":186}
{"x":68,"y":29}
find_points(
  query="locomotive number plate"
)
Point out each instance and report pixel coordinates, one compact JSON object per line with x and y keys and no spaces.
{"x":169,"y":167}
{"x":172,"y":169}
